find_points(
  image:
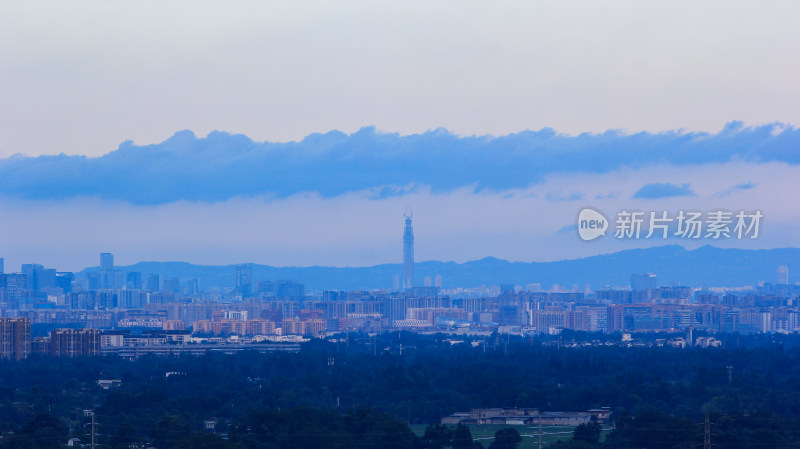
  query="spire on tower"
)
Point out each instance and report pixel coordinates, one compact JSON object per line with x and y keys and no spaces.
{"x":408,"y":252}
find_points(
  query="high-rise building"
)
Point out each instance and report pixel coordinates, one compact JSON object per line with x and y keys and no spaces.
{"x":74,"y":342}
{"x":395,"y":307}
{"x":46,"y":279}
{"x":64,"y":281}
{"x":153,"y":283}
{"x":93,"y":280}
{"x":106,"y":270}
{"x":131,"y":299}
{"x":643,"y":281}
{"x":31,"y":272}
{"x":16,"y":294}
{"x":106,"y":299}
{"x":82,"y":300}
{"x":193,"y":286}
{"x":15,"y":338}
{"x":281,"y":290}
{"x":290,"y":290}
{"x":134,"y":280}
{"x":37,"y":277}
{"x":2,"y":265}
{"x":162,"y":297}
{"x":244,"y":279}
{"x":408,"y":253}
{"x":534,"y":287}
{"x":172,"y":285}
{"x":783,"y":275}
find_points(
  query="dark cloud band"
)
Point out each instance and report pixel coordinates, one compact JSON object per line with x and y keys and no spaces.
{"x":221,"y":166}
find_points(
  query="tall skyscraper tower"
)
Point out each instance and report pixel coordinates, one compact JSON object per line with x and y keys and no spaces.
{"x":106,"y":270}
{"x":408,"y":253}
{"x":783,"y":275}
{"x":244,"y":276}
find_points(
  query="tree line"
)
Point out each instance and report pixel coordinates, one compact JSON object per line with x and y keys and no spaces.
{"x":752,"y":391}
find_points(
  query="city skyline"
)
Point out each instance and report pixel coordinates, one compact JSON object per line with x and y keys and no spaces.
{"x":732,"y":269}
{"x":138,"y":319}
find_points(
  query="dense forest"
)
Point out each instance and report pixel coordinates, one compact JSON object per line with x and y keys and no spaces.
{"x":363,"y":392}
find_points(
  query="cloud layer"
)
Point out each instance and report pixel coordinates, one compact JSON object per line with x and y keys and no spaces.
{"x":223,"y":166}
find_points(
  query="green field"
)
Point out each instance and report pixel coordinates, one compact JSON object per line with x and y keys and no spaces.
{"x":529,"y":434}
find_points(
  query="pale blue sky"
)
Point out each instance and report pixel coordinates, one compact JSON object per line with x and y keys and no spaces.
{"x":80,"y":77}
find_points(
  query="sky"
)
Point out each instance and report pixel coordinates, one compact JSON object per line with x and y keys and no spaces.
{"x":583,"y":102}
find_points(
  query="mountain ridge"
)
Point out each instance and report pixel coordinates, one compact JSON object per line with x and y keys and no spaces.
{"x":673,"y":265}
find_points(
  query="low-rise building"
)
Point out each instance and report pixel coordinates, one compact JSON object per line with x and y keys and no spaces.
{"x":517,"y":417}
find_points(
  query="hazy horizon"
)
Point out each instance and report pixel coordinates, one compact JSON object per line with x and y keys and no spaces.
{"x":337,"y":199}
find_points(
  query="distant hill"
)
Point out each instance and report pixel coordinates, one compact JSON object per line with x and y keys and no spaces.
{"x":672,"y":264}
